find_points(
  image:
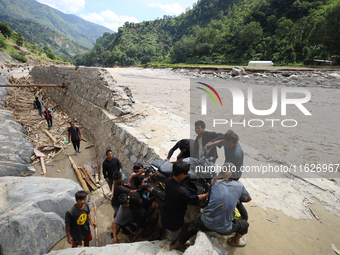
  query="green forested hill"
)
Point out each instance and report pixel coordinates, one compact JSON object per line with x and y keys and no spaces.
{"x":41,"y":36}
{"x":71,"y":26}
{"x":229,"y":32}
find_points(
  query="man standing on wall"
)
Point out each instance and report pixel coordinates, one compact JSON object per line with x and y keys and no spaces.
{"x":74,"y":133}
{"x":110,"y":166}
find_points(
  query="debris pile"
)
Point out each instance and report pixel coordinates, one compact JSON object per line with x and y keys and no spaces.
{"x":20,"y":102}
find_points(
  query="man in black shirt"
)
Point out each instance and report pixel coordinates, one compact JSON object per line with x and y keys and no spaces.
{"x":184,"y":146}
{"x":74,"y":133}
{"x":177,"y":197}
{"x":110,"y":166}
{"x":77,"y":222}
{"x":203,"y":137}
{"x":38,"y":104}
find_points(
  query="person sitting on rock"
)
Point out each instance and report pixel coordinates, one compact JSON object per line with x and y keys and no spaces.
{"x":124,"y":218}
{"x":137,"y":171}
{"x":110,"y":166}
{"x":39,"y":105}
{"x":48,"y":116}
{"x":142,"y":211}
{"x":78,"y":220}
{"x":219,"y":215}
{"x":119,"y":188}
{"x":203,"y":138}
{"x":74,"y":133}
{"x":184,"y":146}
{"x":177,"y":197}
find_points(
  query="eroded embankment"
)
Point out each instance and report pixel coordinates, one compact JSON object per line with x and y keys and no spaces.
{"x":94,"y":97}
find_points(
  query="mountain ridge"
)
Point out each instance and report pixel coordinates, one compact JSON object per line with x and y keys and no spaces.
{"x":80,"y":31}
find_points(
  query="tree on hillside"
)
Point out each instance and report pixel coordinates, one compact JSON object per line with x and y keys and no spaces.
{"x":326,"y":31}
{"x":20,"y":39}
{"x":5,"y":29}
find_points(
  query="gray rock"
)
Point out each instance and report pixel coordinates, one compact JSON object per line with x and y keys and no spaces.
{"x":284,"y":80}
{"x":293,"y":77}
{"x":334,"y":76}
{"x":140,"y":248}
{"x":236,"y":71}
{"x":286,"y":74}
{"x":32,"y":213}
{"x":205,"y":245}
{"x":15,"y":150}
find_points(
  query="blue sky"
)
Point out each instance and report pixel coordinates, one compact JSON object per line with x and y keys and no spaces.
{"x":113,"y":14}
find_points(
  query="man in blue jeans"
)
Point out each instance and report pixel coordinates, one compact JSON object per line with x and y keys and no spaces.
{"x":219,"y":215}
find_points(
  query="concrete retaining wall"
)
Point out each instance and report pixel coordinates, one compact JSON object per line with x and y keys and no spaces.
{"x":92,"y":97}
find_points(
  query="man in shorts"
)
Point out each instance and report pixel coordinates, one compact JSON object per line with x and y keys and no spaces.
{"x":75,"y":135}
{"x":77,"y":222}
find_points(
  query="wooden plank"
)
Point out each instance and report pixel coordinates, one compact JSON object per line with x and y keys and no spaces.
{"x":90,"y":146}
{"x":43,"y":166}
{"x":95,"y":221}
{"x":335,"y":249}
{"x":91,"y":181}
{"x":50,"y":136}
{"x":96,"y":174}
{"x":89,"y":175}
{"x":80,"y":178}
{"x":27,"y":136}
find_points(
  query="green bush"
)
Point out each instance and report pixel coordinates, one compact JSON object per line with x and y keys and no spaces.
{"x":17,"y":56}
{"x":50,"y":55}
{"x":3,"y":44}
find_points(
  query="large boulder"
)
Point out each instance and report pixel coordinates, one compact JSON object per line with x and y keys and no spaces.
{"x":205,"y":243}
{"x":140,"y":248}
{"x":15,"y":150}
{"x":32,"y":212}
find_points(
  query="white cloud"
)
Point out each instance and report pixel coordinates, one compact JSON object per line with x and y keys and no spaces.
{"x":93,"y":17}
{"x":109,"y":19}
{"x":169,"y":8}
{"x":66,"y":6}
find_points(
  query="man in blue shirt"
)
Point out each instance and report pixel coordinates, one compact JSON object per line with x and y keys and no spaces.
{"x":219,"y":215}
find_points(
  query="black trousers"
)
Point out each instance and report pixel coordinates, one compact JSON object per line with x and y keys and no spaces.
{"x":76,"y":144}
{"x":49,"y":122}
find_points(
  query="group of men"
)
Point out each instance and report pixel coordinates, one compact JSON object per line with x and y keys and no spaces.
{"x":135,"y":211}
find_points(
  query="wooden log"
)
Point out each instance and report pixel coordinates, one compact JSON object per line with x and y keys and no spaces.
{"x":90,"y":176}
{"x":34,"y":85}
{"x":96,"y":174}
{"x":80,"y":178}
{"x":50,"y":136}
{"x":87,"y":179}
{"x":43,"y":166}
{"x":90,"y":146}
{"x":83,"y":140}
{"x":95,"y":221}
{"x":27,"y":136}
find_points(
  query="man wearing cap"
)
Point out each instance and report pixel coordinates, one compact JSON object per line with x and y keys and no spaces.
{"x":39,"y":105}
